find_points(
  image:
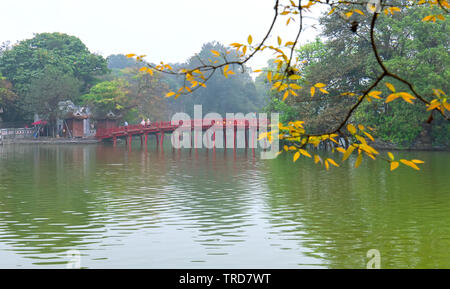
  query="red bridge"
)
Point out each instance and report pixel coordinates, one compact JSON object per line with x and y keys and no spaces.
{"x":159,"y":129}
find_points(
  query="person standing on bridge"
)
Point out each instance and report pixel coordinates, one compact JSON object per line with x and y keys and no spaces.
{"x":125,"y":123}
{"x":147,"y":123}
{"x":143,"y":122}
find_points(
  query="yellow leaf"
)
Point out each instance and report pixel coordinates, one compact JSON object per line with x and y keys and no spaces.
{"x":369,"y":136}
{"x":358,"y":160}
{"x":375,"y":94}
{"x":361,"y":139}
{"x":408,"y":100}
{"x":391,"y":156}
{"x":313,"y":90}
{"x":369,"y":149}
{"x":417,"y":161}
{"x":317,"y":159}
{"x":320,"y":85}
{"x":276,"y":85}
{"x":327,"y":166}
{"x":249,"y":39}
{"x":286,"y":94}
{"x":446,"y":105}
{"x":392,"y":97}
{"x":390,"y":86}
{"x":427,"y":18}
{"x":169,"y":94}
{"x":323,"y":90}
{"x":348,"y":152}
{"x":294,"y":77}
{"x":434,"y":105}
{"x":279,"y":40}
{"x":410,"y":164}
{"x":130,"y":55}
{"x":295,"y":86}
{"x":341,"y":150}
{"x":359,"y":11}
{"x":351,"y":128}
{"x":331,"y":161}
{"x":216,"y":53}
{"x":269,"y":76}
{"x":394,"y":165}
{"x":360,"y":126}
{"x":143,"y":68}
{"x":296,"y":156}
{"x":305,"y":153}
{"x":406,"y":97}
{"x":282,"y":87}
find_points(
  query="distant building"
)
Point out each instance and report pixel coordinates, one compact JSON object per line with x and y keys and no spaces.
{"x":75,"y":125}
{"x":75,"y":121}
{"x":110,"y":120}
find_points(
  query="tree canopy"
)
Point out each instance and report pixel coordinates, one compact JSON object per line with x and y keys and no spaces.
{"x":130,"y":94}
{"x":24,"y":60}
{"x":344,"y":61}
{"x":23,"y":63}
{"x":7,"y":97}
{"x":47,"y":89}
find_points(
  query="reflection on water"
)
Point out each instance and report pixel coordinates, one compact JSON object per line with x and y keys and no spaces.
{"x":171,"y":209}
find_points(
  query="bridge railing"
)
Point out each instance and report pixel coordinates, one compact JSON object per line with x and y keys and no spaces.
{"x":101,"y":132}
{"x":209,"y":122}
{"x":13,"y":133}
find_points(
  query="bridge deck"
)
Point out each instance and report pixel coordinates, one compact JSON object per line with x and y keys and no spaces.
{"x":168,"y":127}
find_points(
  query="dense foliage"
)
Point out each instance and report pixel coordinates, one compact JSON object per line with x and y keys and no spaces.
{"x":25,"y":63}
{"x":415,"y":50}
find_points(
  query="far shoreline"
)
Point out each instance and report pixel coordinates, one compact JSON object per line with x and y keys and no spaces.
{"x":57,"y":141}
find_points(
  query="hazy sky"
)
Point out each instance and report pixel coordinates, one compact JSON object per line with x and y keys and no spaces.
{"x":168,"y":30}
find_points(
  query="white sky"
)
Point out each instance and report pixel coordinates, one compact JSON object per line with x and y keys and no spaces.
{"x":167,"y":30}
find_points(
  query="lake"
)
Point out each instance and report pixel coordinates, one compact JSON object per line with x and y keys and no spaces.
{"x":144,"y":208}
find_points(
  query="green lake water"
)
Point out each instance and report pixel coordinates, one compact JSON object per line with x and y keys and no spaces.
{"x":140,"y":208}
